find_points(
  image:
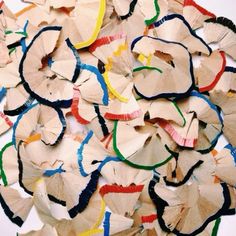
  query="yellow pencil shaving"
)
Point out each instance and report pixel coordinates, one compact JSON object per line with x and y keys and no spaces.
{"x":149,"y":58}
{"x":32,"y":138}
{"x":101,"y":215}
{"x":112,"y":90}
{"x":37,"y":183}
{"x":108,"y":67}
{"x":145,"y":60}
{"x":95,"y":229}
{"x":141,"y":58}
{"x":120,"y":49}
{"x":91,"y":232}
{"x":21,"y":12}
{"x":230,"y":94}
{"x":102,"y":10}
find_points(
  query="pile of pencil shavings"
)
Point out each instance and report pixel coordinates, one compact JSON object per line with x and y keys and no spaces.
{"x":115,"y":108}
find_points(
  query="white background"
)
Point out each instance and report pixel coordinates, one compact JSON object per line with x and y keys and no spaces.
{"x":225,"y":8}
